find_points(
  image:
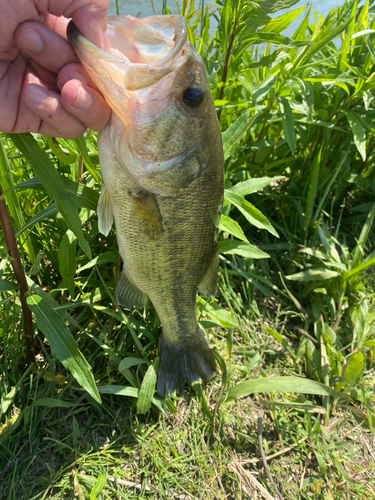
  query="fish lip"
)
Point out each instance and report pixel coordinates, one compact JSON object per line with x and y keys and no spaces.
{"x":72,"y":32}
{"x":75,"y":37}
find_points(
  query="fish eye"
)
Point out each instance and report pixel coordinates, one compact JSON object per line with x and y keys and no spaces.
{"x":192,"y":97}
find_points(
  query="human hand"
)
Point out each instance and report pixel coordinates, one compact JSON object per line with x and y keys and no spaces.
{"x":43,"y":88}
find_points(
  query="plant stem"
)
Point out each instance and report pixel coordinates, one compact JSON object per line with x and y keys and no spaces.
{"x":263,"y":456}
{"x":11,"y":244}
{"x":226,"y":64}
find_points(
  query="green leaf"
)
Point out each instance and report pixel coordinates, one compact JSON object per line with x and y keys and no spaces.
{"x":83,"y":196}
{"x":273,"y":6}
{"x":122,"y":390}
{"x":230,"y":226}
{"x":224,"y":317}
{"x":81,"y":144}
{"x":363,"y":237}
{"x":54,"y":403}
{"x":147,"y":389}
{"x":47,"y":213}
{"x":313,"y":187}
{"x":8,"y":399}
{"x":264,"y":87}
{"x":313,"y":274}
{"x":253,"y":185}
{"x":241,"y":248}
{"x":129,"y":362}
{"x":118,"y":390}
{"x":104,"y":258}
{"x":12,"y":200}
{"x":287,"y":122}
{"x":295,"y":406}
{"x":274,"y":38}
{"x":279,"y":384}
{"x":358,"y":133}
{"x":322,"y":39}
{"x":279,"y":338}
{"x":98,"y":486}
{"x":8,"y":286}
{"x":250,"y":212}
{"x":62,"y":343}
{"x":54,"y":185}
{"x":344,"y":52}
{"x":354,"y":369}
{"x":67,"y":260}
{"x":360,"y":268}
{"x":362,"y":33}
{"x":236,"y":131}
{"x":279,"y":24}
{"x":66,"y":157}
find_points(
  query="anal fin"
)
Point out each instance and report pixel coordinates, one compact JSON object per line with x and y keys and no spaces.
{"x":207,"y":287}
{"x":129,"y":295}
{"x":105,"y":215}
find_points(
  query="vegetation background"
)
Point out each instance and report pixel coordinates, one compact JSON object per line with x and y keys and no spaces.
{"x":290,"y":412}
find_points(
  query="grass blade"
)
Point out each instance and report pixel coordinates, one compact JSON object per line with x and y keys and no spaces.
{"x":62,"y":343}
{"x":280,"y":384}
{"x":54,"y":185}
{"x":360,"y":248}
{"x":147,"y":389}
{"x":250,"y":212}
{"x":287,"y":121}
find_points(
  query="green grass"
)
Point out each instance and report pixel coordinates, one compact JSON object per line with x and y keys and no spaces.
{"x":60,"y":452}
{"x":296,"y":290}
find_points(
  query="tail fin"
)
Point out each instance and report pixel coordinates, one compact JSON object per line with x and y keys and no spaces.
{"x":190,"y":362}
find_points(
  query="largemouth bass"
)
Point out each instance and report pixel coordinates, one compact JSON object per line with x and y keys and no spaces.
{"x":162,"y":165}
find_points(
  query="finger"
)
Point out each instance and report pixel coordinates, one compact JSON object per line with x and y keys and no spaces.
{"x":45,"y":46}
{"x":48,"y":78}
{"x":87,"y":105}
{"x":74,"y":71}
{"x":56,"y":121}
{"x":90,"y":17}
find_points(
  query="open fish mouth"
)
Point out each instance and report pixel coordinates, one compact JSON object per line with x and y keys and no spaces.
{"x":142,"y":51}
{"x":147,"y":78}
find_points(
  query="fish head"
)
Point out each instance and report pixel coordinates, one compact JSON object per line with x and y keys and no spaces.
{"x":163,"y":117}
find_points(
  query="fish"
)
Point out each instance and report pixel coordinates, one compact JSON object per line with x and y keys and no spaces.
{"x":162,"y":165}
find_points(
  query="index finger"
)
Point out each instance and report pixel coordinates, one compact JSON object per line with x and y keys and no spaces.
{"x":90,"y":16}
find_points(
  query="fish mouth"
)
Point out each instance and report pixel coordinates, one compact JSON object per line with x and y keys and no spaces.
{"x":142,"y":51}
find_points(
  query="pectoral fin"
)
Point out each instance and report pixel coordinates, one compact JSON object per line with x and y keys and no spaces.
{"x":105,"y":215}
{"x":207,"y":287}
{"x":147,"y":214}
{"x":129,"y":295}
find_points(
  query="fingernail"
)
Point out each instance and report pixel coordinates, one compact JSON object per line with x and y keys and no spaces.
{"x":78,"y":76}
{"x":83,"y":100}
{"x":30,"y":40}
{"x":36,"y":94}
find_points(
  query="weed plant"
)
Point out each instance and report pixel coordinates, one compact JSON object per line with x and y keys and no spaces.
{"x":293,"y":324}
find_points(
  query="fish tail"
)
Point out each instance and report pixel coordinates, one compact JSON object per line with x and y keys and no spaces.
{"x":190,"y":362}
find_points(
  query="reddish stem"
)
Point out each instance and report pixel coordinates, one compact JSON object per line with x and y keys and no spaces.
{"x":226,"y":66}
{"x":11,"y":244}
